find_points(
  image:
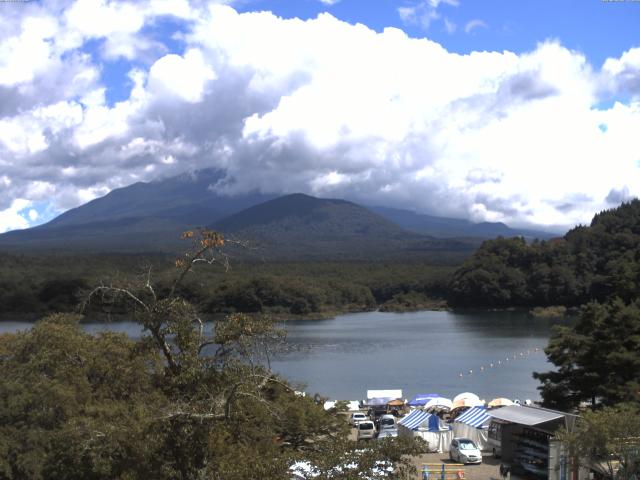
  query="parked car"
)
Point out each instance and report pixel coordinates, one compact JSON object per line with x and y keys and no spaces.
{"x":356,"y":418}
{"x":387,"y":421}
{"x":388,"y":432}
{"x":366,"y":430}
{"x":464,"y":450}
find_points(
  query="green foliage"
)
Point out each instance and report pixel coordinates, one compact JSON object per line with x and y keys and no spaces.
{"x":178,"y":403}
{"x":609,"y":438}
{"x":597,"y":360}
{"x":33,"y":285}
{"x":598,"y":262}
{"x":73,"y":405}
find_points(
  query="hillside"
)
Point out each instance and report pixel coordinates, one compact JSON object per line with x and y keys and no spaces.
{"x":300,"y":226}
{"x":595,"y":262}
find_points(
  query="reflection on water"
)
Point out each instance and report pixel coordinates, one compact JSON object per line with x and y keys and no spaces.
{"x":417,"y":352}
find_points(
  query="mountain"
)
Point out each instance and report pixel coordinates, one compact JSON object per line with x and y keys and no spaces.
{"x":443,"y":227}
{"x":188,"y":198}
{"x":139,"y":217}
{"x":300,"y":226}
{"x":149,"y":217}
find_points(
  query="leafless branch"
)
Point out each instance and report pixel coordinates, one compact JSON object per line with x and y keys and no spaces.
{"x":149,"y":286}
{"x":123,"y":291}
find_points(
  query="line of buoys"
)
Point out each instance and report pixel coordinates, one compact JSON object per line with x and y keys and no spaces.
{"x":521,"y":354}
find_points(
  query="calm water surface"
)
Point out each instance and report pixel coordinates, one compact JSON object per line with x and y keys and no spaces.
{"x":419,"y":352}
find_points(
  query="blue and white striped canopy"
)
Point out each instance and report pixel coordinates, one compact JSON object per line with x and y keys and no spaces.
{"x":417,"y":418}
{"x":476,"y":417}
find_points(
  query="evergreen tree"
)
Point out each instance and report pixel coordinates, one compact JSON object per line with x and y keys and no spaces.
{"x":597,"y":360}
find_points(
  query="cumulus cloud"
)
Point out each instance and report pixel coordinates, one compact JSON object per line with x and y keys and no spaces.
{"x":13,"y":217}
{"x":622,"y":75}
{"x":320,"y":106}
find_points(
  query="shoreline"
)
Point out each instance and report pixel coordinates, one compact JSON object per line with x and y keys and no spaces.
{"x":434,"y":305}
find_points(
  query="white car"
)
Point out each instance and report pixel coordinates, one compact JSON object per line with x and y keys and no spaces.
{"x":464,"y":450}
{"x":357,"y":417}
{"x":366,"y":430}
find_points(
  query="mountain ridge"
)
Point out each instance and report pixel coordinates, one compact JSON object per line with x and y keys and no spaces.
{"x":149,"y":217}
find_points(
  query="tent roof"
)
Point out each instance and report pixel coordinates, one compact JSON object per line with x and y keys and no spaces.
{"x":417,"y":418}
{"x":422,"y":398}
{"x":526,"y":415}
{"x":440,"y":402}
{"x":476,"y":417}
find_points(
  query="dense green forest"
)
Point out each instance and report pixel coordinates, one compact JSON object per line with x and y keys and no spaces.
{"x":595,"y":262}
{"x":38,"y":284}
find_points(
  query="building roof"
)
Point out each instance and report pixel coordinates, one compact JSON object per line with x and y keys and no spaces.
{"x":526,"y":415}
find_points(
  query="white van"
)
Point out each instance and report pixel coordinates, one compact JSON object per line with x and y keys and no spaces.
{"x":366,"y":430}
{"x":494,"y":438}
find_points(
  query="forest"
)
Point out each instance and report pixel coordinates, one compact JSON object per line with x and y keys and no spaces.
{"x":590,"y":263}
{"x":33,"y":285}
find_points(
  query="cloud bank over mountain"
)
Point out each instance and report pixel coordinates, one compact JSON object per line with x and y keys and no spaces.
{"x":96,"y":95}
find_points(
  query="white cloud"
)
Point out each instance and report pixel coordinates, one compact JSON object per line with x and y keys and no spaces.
{"x":12,"y":218}
{"x":329,"y":2}
{"x":183,"y":77}
{"x":474,"y":24}
{"x":425,"y":12}
{"x":30,"y":52}
{"x":381,"y":118}
{"x":450,"y":26}
{"x":622,"y":75}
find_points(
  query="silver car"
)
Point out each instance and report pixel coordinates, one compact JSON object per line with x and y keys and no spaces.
{"x":464,"y":450}
{"x":387,"y":422}
{"x":356,"y":418}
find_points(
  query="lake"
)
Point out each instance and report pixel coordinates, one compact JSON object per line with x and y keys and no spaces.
{"x":419,"y":352}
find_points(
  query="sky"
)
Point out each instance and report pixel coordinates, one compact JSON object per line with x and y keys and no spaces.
{"x":522,"y":112}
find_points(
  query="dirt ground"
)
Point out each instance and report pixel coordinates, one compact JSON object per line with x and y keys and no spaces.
{"x":487,"y":470}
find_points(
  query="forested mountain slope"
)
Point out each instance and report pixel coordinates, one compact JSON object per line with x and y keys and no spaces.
{"x":594,"y":262}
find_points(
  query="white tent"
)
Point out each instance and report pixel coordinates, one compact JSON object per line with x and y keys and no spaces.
{"x":439,"y":402}
{"x":466,"y":395}
{"x":427,"y":426}
{"x":384,"y":394}
{"x":473,"y":424}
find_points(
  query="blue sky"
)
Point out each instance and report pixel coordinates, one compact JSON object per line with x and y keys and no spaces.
{"x":600,"y":29}
{"x":524,"y":112}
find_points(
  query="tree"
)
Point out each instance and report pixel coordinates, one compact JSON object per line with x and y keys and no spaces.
{"x":608,"y":438}
{"x":597,"y":360}
{"x":182,"y":402}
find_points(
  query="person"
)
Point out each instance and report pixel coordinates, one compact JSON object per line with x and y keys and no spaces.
{"x":504,"y":470}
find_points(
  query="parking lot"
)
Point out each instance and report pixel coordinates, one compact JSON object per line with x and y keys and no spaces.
{"x":487,"y":470}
